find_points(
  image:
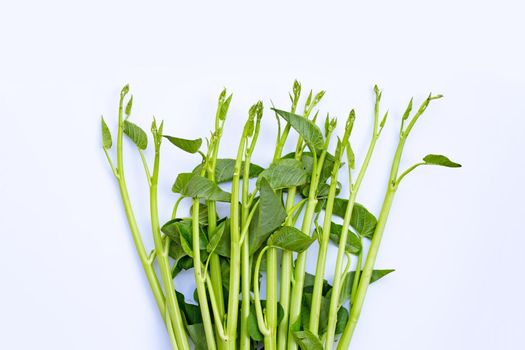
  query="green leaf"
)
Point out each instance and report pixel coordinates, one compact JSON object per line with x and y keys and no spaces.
{"x":181,"y":230}
{"x":216,"y":237}
{"x":107,"y":142}
{"x":353,"y":244}
{"x":350,"y":155}
{"x":190,"y":146}
{"x":198,"y":336}
{"x":253,"y":328}
{"x":129,"y":105}
{"x":136,"y":134}
{"x":342,"y":319}
{"x":184,"y":263}
{"x":362,"y":220}
{"x":269,"y":215}
{"x":308,"y":161}
{"x":284,"y":173}
{"x":290,"y":238}
{"x":310,"y":132}
{"x":307,"y":340}
{"x":348,"y":280}
{"x":309,"y":281}
{"x":175,"y":250}
{"x":436,"y":159}
{"x":224,"y":170}
{"x":224,"y":245}
{"x":196,"y":186}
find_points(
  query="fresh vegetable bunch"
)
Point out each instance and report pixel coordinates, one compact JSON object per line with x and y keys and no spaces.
{"x":272,"y":222}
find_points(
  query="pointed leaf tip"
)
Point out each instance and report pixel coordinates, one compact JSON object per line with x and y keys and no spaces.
{"x":437,"y":159}
{"x":190,"y":146}
{"x":107,"y":141}
{"x":129,"y":105}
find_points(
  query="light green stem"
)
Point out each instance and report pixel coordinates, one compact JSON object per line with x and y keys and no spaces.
{"x":317,"y":295}
{"x":364,"y":281}
{"x":163,"y":260}
{"x":356,"y":276}
{"x":300,"y":263}
{"x":235,"y":251}
{"x":199,"y":278}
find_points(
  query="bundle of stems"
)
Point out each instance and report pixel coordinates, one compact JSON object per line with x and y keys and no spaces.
{"x":262,"y":237}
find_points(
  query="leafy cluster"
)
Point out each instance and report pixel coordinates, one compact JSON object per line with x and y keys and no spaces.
{"x":276,"y":213}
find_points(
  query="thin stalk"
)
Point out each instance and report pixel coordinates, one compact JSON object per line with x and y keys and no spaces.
{"x":356,"y":276}
{"x":247,"y":214}
{"x":300,"y":263}
{"x":199,"y":278}
{"x":235,"y":251}
{"x":215,"y":263}
{"x":137,"y":239}
{"x":261,"y":322}
{"x":286,"y":275}
{"x":341,"y":251}
{"x":323,"y":250}
{"x":162,"y":258}
{"x":393,"y":183}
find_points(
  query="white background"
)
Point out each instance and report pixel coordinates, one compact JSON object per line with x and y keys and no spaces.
{"x":70,"y":278}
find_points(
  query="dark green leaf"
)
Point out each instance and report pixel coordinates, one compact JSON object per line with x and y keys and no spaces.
{"x":181,"y":230}
{"x":284,"y":173}
{"x":362,"y":220}
{"x":436,"y":159}
{"x":224,"y":245}
{"x":348,"y":280}
{"x":176,"y":251}
{"x":198,"y":336}
{"x":196,"y":186}
{"x":216,"y":237}
{"x":290,"y":238}
{"x":253,"y":328}
{"x":310,"y":132}
{"x":269,"y":215}
{"x":184,"y":263}
{"x":190,"y":146}
{"x":136,"y":134}
{"x":307,"y":340}
{"x":224,"y":170}
{"x":106,"y":135}
{"x":342,"y":320}
{"x":309,"y":281}
{"x":353,"y":244}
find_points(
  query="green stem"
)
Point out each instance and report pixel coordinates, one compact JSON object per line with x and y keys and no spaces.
{"x":356,"y":276}
{"x":286,"y":275}
{"x":263,"y":328}
{"x":364,"y":281}
{"x":300,"y":263}
{"x":163,"y":260}
{"x":317,"y":295}
{"x":135,"y":233}
{"x":199,"y":278}
{"x":235,"y":251}
{"x":338,"y":273}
